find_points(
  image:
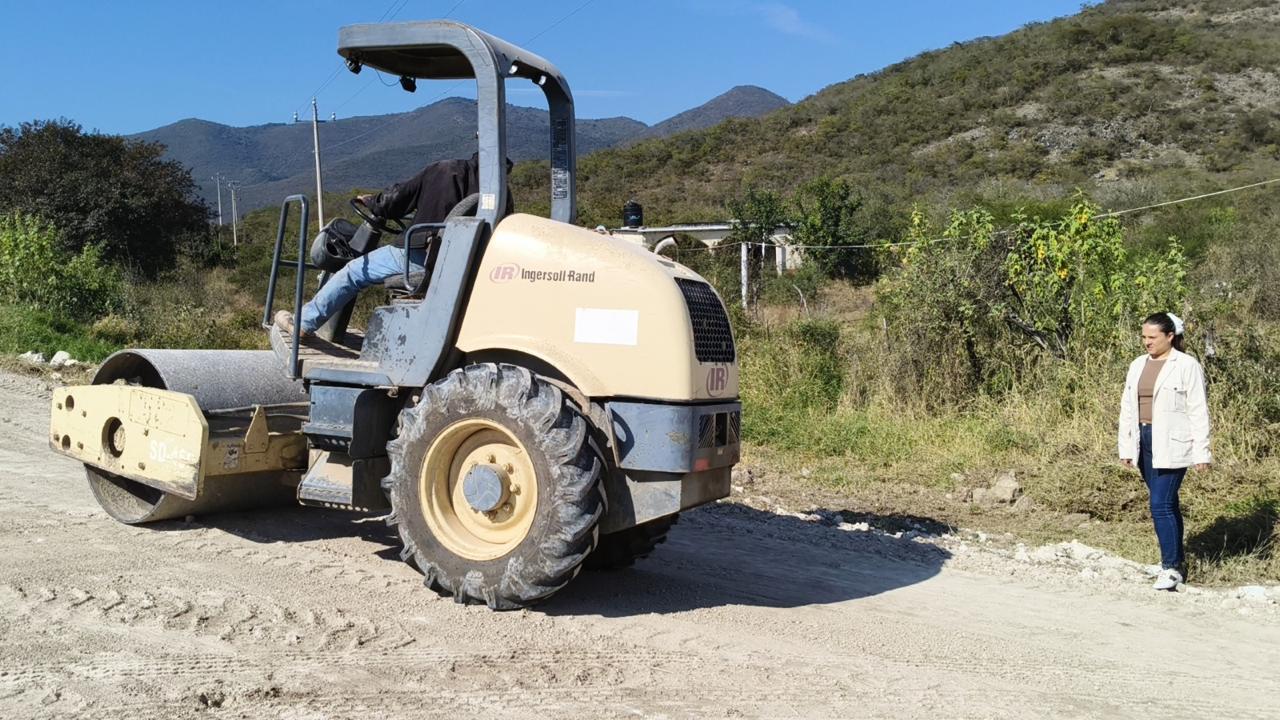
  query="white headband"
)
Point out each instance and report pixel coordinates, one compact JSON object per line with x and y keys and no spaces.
{"x":1178,"y":327}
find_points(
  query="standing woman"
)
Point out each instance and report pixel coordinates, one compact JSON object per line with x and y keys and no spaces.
{"x":1164,"y":429}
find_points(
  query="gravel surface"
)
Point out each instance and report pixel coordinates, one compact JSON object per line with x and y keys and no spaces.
{"x":749,"y":610}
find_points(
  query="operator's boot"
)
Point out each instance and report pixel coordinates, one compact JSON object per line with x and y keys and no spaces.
{"x":284,"y":321}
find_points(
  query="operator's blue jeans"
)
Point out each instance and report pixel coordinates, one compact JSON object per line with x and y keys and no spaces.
{"x":372,"y":269}
{"x":1166,"y":513}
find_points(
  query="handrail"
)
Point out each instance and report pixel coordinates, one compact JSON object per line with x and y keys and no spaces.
{"x":408,"y":238}
{"x":294,"y":369}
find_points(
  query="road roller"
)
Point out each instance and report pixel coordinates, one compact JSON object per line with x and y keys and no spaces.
{"x":541,"y":399}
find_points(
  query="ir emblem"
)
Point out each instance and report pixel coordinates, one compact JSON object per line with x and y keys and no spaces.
{"x":717,"y":380}
{"x":505,"y":272}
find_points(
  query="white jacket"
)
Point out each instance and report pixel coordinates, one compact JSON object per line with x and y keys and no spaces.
{"x":1179,"y":414}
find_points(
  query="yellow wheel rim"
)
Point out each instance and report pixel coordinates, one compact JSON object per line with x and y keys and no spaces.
{"x":455,"y":452}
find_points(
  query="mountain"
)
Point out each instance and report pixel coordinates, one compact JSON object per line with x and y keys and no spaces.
{"x":743,"y":101}
{"x":1131,"y":98}
{"x":273,"y":161}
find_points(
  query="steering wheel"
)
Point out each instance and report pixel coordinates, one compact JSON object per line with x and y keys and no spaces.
{"x":394,"y":225}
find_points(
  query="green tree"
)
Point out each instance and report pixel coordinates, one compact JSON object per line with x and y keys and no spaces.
{"x":36,"y":273}
{"x":101,"y":190}
{"x":829,"y":216}
{"x":756,"y":214}
{"x":966,"y":303}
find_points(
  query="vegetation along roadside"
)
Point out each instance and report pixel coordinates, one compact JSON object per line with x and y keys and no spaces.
{"x":969,"y":312}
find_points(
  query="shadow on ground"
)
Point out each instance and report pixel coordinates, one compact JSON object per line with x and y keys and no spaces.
{"x":295,"y":524}
{"x":719,"y":555}
{"x":734,"y":555}
{"x":1256,"y":531}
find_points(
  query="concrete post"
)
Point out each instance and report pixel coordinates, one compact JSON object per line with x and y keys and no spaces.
{"x":746,"y":253}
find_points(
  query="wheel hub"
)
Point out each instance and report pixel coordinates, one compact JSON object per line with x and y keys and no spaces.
{"x":485,"y":487}
{"x":479,"y":489}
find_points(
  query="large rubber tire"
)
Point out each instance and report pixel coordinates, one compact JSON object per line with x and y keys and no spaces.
{"x":570,"y":500}
{"x":622,"y":549}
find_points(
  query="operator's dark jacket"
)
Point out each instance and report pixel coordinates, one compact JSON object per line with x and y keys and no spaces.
{"x":433,"y":192}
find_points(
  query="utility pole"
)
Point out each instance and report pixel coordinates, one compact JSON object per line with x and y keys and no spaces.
{"x":217,"y":179}
{"x":235,"y":228}
{"x":315,"y":141}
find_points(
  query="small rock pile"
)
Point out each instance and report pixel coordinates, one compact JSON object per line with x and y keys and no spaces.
{"x":1006,"y":490}
{"x":60,"y":359}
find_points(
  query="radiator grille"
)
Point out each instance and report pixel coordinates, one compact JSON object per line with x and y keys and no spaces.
{"x":712,"y":338}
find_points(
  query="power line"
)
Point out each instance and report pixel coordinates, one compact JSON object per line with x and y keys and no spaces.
{"x":1189,"y":199}
{"x":997,"y":233}
{"x":399,"y":117}
{"x":389,"y":15}
{"x":553,"y":25}
{"x":341,"y":64}
{"x":332,"y":76}
{"x":353,"y":95}
{"x":369,"y":84}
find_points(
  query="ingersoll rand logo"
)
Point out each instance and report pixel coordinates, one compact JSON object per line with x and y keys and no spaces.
{"x":504,"y":272}
{"x":717,"y":380}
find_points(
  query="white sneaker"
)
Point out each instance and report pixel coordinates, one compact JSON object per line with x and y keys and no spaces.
{"x":1168,"y":579}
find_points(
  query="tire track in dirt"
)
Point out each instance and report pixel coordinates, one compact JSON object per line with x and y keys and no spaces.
{"x":586,"y":698}
{"x":26,"y":386}
{"x":291,"y":614}
{"x":230,"y":617}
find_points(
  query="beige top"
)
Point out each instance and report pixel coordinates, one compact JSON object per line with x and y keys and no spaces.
{"x":1147,"y":388}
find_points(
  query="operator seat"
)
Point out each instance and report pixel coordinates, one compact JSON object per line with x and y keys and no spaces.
{"x":416,"y":286}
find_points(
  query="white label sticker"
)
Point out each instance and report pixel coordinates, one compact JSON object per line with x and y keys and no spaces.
{"x":488,"y":201}
{"x":606,"y":327}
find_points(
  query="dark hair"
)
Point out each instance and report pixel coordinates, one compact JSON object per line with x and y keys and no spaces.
{"x":1162,"y":321}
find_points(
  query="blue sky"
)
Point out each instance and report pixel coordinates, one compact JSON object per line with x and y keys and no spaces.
{"x":125,"y":67}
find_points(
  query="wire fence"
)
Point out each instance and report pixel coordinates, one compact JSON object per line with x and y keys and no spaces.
{"x":996,"y":233}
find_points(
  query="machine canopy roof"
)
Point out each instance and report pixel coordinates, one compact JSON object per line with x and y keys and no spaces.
{"x":439,"y":50}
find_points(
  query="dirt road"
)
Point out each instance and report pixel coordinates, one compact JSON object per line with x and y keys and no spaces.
{"x":308,"y":614}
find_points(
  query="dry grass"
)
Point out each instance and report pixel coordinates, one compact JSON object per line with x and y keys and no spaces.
{"x":870,"y":450}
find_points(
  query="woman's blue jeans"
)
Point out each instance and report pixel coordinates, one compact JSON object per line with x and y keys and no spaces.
{"x":1166,"y":513}
{"x":372,"y":269}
